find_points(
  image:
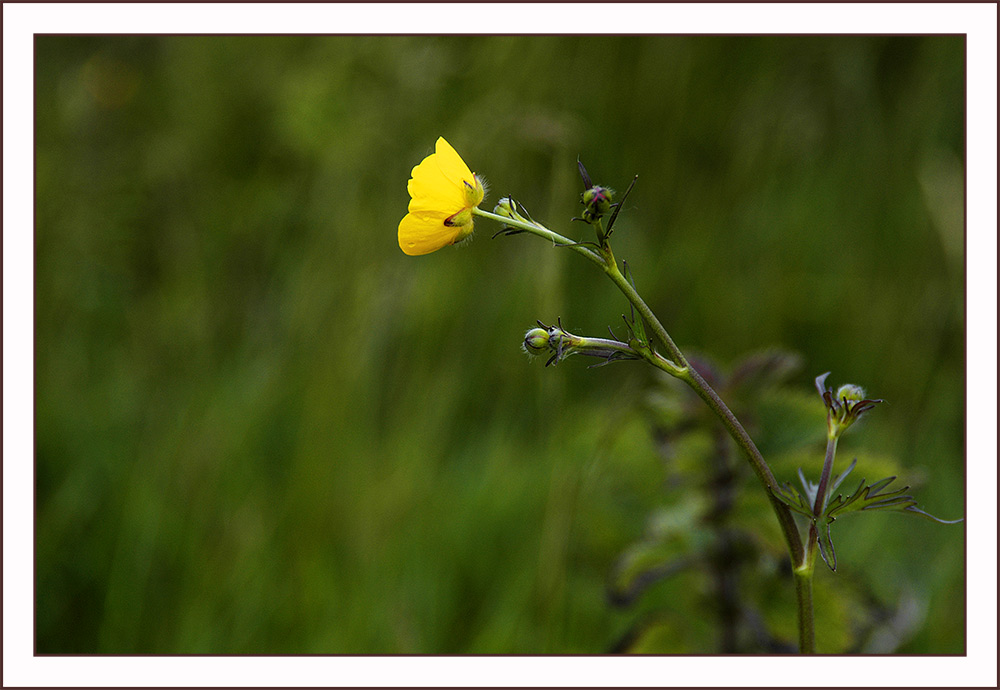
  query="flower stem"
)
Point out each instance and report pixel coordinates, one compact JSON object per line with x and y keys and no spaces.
{"x":824,"y":479}
{"x":542,"y":231}
{"x":689,"y":375}
{"x":802,"y":559}
{"x":803,"y":593}
{"x":804,"y":572}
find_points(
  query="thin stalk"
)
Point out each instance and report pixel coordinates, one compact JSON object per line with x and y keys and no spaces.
{"x":804,"y":572}
{"x":543,"y":231}
{"x":803,"y":592}
{"x":824,"y":479}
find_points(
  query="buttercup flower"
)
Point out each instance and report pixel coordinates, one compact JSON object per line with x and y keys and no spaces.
{"x":443,"y":192}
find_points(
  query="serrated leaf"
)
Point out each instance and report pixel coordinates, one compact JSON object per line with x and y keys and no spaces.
{"x":872,"y":498}
{"x":866,"y":498}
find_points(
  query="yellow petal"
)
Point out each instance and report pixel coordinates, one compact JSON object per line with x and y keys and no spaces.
{"x":425,"y":232}
{"x":430,"y":189}
{"x":451,"y":164}
{"x":434,"y":193}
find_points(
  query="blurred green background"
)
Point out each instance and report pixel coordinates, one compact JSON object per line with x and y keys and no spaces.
{"x":261,"y":428}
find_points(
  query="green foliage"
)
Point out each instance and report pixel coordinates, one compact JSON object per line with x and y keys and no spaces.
{"x":260,"y":428}
{"x":871,"y":497}
{"x":702,"y":531}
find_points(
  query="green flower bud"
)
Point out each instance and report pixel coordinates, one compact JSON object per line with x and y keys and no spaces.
{"x":844,"y":407}
{"x":536,"y":341}
{"x":850,"y":393}
{"x":561,"y":344}
{"x":596,"y":202}
{"x":506,"y":207}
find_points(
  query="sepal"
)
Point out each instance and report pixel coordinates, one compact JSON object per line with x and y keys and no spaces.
{"x":825,"y":542}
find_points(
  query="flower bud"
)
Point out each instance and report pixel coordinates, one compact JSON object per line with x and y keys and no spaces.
{"x":562,"y":344}
{"x":850,"y":393}
{"x":506,"y":207}
{"x":536,"y":341}
{"x":596,"y":202}
{"x":844,"y":407}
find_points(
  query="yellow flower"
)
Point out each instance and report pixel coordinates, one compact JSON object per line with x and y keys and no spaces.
{"x":443,"y":192}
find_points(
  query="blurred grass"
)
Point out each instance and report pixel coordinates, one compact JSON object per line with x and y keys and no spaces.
{"x":262,"y":428}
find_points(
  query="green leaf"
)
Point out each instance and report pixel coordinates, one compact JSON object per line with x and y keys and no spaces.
{"x":866,"y":498}
{"x":794,"y":499}
{"x":872,"y":498}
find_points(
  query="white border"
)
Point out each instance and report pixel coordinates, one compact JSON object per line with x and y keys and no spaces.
{"x":472,"y":18}
{"x":20,"y":668}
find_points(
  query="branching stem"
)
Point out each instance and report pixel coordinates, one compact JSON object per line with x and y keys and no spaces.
{"x":684,"y":371}
{"x":802,"y":559}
